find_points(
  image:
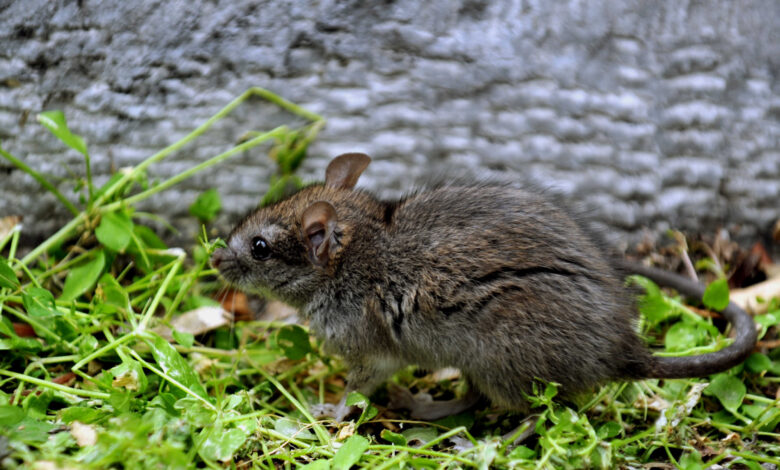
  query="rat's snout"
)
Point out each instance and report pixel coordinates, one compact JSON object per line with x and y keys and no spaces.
{"x":218,"y":256}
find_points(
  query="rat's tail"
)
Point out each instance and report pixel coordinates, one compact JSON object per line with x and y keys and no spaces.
{"x":704,"y":364}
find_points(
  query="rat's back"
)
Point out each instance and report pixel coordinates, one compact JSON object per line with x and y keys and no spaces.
{"x":507,"y":287}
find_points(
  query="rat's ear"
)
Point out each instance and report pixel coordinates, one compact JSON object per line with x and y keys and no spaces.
{"x":318,"y":227}
{"x":344,"y":170}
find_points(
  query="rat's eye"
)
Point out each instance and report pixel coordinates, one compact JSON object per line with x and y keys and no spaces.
{"x":260,"y":249}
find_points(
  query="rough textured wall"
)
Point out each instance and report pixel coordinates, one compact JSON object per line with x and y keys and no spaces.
{"x":653,"y":114}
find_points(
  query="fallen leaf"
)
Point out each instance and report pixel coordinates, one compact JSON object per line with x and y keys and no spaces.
{"x":279,"y":311}
{"x":237,"y":303}
{"x":64,"y":378}
{"x":84,"y":434}
{"x":9,"y":224}
{"x":196,"y":322}
{"x":24,"y":330}
{"x":746,"y":297}
{"x":346,"y":431}
{"x":448,"y":373}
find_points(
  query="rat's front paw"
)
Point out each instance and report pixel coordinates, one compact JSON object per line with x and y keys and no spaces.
{"x":338,"y":412}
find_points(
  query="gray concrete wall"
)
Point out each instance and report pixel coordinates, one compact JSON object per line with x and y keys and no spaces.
{"x":653,"y":114}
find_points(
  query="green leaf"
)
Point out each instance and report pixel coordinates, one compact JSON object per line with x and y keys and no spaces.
{"x":10,"y":416}
{"x":149,"y":238}
{"x":350,"y":453}
{"x":232,"y":402}
{"x":420,"y":434}
{"x":294,"y":342}
{"x":550,"y":391}
{"x":20,"y":345}
{"x":183,"y":338}
{"x":82,"y":414}
{"x":321,"y":464}
{"x":653,"y":305}
{"x":362,"y":402}
{"x":14,"y":342}
{"x":82,"y":278}
{"x":220,"y":445}
{"x":167,"y":402}
{"x":112,"y":293}
{"x":716,"y":296}
{"x":194,"y":411}
{"x":7,"y":276}
{"x":115,"y":231}
{"x":292,"y":429}
{"x":87,"y":344}
{"x":609,"y":430}
{"x":206,"y":206}
{"x":32,"y":431}
{"x":358,"y":399}
{"x":393,"y":437}
{"x":729,"y":390}
{"x":683,"y":335}
{"x":691,"y":461}
{"x":37,"y":404}
{"x":39,"y":304}
{"x":174,"y":365}
{"x":521,"y":453}
{"x":749,"y":464}
{"x":57,"y":125}
{"x":758,"y":363}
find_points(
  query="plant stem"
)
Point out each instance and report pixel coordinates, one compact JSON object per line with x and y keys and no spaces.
{"x":41,"y":180}
{"x":321,"y":433}
{"x":201,"y":166}
{"x":55,"y":386}
{"x":161,"y":291}
{"x":61,"y":235}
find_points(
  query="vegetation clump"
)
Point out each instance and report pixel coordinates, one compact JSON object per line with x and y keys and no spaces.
{"x":107,"y":363}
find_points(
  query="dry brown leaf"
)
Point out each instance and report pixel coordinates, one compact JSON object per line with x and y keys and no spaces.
{"x":747,"y":297}
{"x":196,"y":322}
{"x":84,"y":434}
{"x":64,"y":378}
{"x":237,"y":303}
{"x":127,"y":380}
{"x":346,"y":431}
{"x":279,"y":311}
{"x":9,"y":224}
{"x":24,"y":330}
{"x":448,"y":373}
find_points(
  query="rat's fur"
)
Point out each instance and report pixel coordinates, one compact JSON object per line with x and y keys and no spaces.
{"x":496,"y":281}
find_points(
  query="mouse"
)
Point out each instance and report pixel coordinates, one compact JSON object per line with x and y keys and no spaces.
{"x":500,"y":282}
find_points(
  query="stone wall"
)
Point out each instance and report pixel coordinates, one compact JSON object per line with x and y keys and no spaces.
{"x":652,"y":114}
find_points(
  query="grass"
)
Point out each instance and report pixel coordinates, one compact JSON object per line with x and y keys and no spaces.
{"x":88,"y":381}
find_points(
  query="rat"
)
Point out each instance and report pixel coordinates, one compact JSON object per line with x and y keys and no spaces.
{"x":499,"y":282}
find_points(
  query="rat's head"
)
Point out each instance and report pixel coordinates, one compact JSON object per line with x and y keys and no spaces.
{"x":289,"y":248}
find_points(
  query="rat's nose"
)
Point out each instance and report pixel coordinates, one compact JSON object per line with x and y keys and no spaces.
{"x":217,"y":257}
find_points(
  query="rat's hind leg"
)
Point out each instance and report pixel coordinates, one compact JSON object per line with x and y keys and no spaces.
{"x":422,"y":406}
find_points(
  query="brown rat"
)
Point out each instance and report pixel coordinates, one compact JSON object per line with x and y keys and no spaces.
{"x":496,"y":281}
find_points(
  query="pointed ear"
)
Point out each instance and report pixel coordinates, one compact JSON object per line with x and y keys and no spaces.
{"x":344,"y":170}
{"x":318,"y":227}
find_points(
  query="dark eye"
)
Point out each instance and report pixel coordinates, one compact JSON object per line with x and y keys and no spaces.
{"x":260,"y":249}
